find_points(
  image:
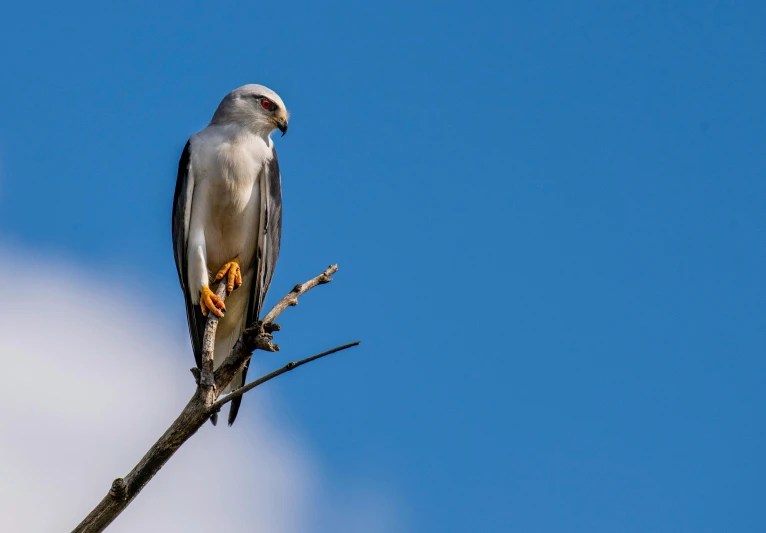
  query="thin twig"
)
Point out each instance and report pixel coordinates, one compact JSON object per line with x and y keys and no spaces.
{"x":194,"y":415}
{"x":292,"y":297}
{"x":289,"y":366}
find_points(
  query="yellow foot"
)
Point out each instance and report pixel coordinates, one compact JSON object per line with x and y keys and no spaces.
{"x":233,"y":275}
{"x":208,"y":301}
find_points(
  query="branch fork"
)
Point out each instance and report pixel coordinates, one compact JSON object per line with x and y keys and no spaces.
{"x":205,"y":402}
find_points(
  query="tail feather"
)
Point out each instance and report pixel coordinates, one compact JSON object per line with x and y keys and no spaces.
{"x":237,"y":382}
{"x":234,"y":409}
{"x":227,"y":336}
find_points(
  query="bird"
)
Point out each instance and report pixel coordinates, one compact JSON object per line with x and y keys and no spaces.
{"x":227,"y":219}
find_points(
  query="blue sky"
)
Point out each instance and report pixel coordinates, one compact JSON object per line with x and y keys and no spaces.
{"x":549,"y":220}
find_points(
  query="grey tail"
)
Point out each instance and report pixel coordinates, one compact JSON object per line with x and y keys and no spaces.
{"x":234,"y":409}
{"x":236,"y":402}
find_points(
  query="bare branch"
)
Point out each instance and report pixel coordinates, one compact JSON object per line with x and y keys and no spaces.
{"x":208,"y":342}
{"x":292,"y":297}
{"x":258,"y":337}
{"x":289,"y":366}
{"x":201,"y":405}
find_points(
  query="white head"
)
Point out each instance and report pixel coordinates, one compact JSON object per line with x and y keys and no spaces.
{"x":254,"y":106}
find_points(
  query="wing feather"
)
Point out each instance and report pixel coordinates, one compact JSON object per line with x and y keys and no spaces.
{"x":267,"y":251}
{"x":182,"y":206}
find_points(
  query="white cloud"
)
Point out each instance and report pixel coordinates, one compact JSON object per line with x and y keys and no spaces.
{"x":91,"y":379}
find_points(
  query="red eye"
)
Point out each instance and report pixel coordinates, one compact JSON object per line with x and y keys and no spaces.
{"x":266,"y":103}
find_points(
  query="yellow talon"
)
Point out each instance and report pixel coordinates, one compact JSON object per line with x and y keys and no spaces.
{"x":233,"y":275}
{"x":208,"y":301}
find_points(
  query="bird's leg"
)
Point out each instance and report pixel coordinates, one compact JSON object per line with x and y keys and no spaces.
{"x":208,"y":301}
{"x":233,"y":275}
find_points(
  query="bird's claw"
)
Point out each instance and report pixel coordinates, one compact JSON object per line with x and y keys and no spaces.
{"x":208,"y":301}
{"x":233,"y":275}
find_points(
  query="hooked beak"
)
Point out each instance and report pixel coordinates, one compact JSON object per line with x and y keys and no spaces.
{"x":282,"y":125}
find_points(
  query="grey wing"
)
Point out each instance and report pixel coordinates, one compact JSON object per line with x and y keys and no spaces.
{"x":182,"y":206}
{"x":267,"y":252}
{"x":271,"y":237}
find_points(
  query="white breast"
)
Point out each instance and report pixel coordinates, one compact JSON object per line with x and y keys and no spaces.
{"x":227,"y":164}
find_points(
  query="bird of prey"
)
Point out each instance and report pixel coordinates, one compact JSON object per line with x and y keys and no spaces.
{"x":227,"y":218}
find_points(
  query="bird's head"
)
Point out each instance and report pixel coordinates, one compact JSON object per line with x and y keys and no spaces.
{"x":255,"y":106}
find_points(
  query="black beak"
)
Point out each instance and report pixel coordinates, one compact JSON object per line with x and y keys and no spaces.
{"x":282,"y":125}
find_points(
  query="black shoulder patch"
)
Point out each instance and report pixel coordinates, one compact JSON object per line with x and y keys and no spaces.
{"x":275,"y":182}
